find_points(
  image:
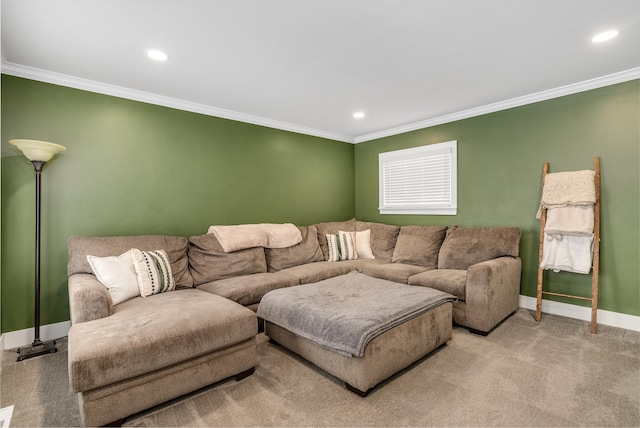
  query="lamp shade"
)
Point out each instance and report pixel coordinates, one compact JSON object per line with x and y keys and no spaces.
{"x":36,"y":150}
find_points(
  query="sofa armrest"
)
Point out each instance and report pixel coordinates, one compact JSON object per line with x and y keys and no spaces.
{"x":492,"y":291}
{"x":88,"y":298}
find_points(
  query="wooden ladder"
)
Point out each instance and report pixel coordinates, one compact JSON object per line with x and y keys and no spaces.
{"x":596,"y":253}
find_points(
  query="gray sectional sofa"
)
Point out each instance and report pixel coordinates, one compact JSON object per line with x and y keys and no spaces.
{"x":147,"y":350}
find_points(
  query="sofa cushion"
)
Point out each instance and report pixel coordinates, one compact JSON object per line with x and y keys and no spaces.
{"x":450,"y":281}
{"x":396,"y":272}
{"x":209,"y":262}
{"x":383,"y":238}
{"x":466,"y":246}
{"x":307,"y":251}
{"x":249,"y":289}
{"x":332,"y":227}
{"x":314,"y":272}
{"x":419,"y":245}
{"x":147,"y":334}
{"x":175,"y":247}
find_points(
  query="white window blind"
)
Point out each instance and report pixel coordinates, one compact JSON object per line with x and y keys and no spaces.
{"x":420,"y":180}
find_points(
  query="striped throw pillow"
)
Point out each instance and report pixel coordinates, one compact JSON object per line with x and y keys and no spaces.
{"x":341,"y":247}
{"x":362,"y":240}
{"x":153,"y":272}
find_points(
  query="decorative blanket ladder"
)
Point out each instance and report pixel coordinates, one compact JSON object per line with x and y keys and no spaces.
{"x":596,"y":252}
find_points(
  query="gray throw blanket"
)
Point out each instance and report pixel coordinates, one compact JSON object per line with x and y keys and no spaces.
{"x":345,"y":313}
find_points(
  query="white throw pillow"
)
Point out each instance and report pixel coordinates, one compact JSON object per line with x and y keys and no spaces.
{"x":117,"y":274}
{"x":362,"y":239}
{"x":153,"y":272}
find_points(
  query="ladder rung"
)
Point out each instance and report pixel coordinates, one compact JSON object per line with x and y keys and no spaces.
{"x":567,"y":295}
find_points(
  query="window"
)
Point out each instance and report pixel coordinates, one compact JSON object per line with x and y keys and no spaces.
{"x":420,"y":180}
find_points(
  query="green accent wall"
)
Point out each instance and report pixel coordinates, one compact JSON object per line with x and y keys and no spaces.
{"x":500,"y":160}
{"x":133,"y":168}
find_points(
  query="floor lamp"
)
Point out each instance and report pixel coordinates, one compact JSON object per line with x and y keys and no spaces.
{"x":39,"y":153}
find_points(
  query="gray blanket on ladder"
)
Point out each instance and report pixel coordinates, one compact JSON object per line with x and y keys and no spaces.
{"x":345,"y":313}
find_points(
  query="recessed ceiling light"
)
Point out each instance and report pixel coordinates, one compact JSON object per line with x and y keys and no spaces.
{"x":157,"y":55}
{"x":604,"y":36}
{"x":358,"y":115}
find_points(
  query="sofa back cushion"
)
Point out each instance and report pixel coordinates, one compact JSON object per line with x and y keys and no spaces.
{"x":466,"y":246}
{"x":307,"y":251}
{"x":209,"y":262}
{"x":383,"y":238}
{"x":332,"y":228}
{"x":419,"y":245}
{"x":175,"y":246}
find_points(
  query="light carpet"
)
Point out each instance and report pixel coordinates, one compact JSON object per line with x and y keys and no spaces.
{"x":553,"y":373}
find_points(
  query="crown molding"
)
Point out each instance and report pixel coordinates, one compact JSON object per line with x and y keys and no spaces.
{"x":561,"y":91}
{"x":147,"y":97}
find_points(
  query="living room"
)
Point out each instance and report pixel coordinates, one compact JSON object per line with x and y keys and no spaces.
{"x":133,"y":167}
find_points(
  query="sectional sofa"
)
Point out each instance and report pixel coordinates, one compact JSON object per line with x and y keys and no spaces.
{"x":141,"y":352}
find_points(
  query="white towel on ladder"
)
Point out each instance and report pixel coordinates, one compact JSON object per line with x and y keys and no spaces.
{"x":570,"y":220}
{"x":567,"y":253}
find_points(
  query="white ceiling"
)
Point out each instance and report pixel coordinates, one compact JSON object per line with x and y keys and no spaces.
{"x":308,"y":65}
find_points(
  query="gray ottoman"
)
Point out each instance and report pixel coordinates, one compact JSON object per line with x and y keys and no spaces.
{"x":359,"y":329}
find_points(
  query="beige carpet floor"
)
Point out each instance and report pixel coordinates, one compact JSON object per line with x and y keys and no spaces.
{"x":553,"y":373}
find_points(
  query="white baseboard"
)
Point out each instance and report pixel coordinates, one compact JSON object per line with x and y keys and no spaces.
{"x":18,"y":338}
{"x":613,"y":319}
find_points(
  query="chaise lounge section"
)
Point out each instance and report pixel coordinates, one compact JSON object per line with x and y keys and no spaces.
{"x":145,"y":351}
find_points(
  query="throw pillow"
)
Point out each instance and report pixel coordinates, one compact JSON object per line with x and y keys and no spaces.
{"x":307,"y":251}
{"x":117,"y":274}
{"x":341,"y":247}
{"x":362,"y":240}
{"x":209,"y":262}
{"x":383,"y":238}
{"x":153,"y":272}
{"x":332,"y":227}
{"x":419,"y":245}
{"x":466,"y":246}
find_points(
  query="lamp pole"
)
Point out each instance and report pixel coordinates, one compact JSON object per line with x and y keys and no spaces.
{"x":38,"y":152}
{"x":38,"y":165}
{"x":38,"y":347}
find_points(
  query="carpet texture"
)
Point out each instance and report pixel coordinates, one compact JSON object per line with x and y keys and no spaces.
{"x":553,"y":373}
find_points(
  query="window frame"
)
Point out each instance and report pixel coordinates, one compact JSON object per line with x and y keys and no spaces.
{"x":415,"y":153}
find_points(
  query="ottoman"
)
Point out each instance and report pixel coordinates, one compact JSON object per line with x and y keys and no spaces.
{"x":359,"y":329}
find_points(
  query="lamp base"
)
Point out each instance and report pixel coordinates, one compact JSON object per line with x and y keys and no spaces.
{"x":37,"y":348}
